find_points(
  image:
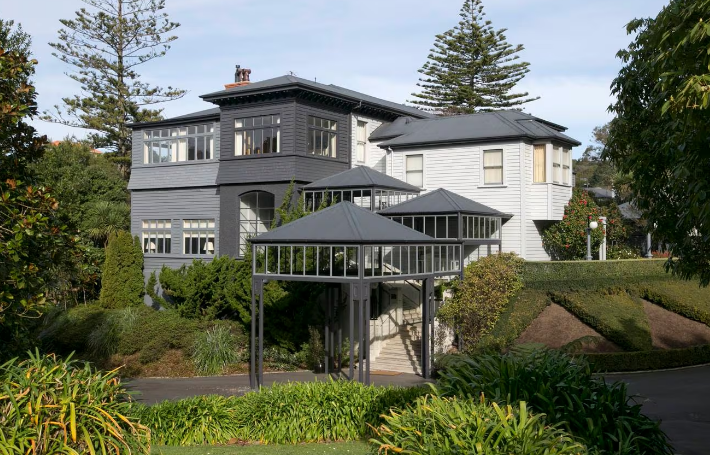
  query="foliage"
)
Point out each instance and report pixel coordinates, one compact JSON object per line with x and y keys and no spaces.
{"x":685,"y":298}
{"x":480,"y":298}
{"x":471,"y":68}
{"x":567,"y":239}
{"x":660,"y":133}
{"x":649,"y":360}
{"x":106,"y":218}
{"x":520,"y":312}
{"x":104,"y":338}
{"x":290,"y":413}
{"x":434,"y":425}
{"x":619,"y":317}
{"x":49,"y":406}
{"x":123,"y":272}
{"x":600,"y":415}
{"x":354,"y":448}
{"x":214,"y":350}
{"x":316,"y":349}
{"x":34,"y":240}
{"x":105,"y":44}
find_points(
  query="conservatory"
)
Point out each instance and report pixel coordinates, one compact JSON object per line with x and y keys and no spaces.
{"x":349,"y":248}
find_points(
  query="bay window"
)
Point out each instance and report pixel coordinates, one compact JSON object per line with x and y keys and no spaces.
{"x":322,"y":137}
{"x":257,"y":135}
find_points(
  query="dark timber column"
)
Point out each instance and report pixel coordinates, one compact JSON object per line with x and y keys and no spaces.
{"x":339,"y":317}
{"x":360,"y":330}
{"x":261,"y":332}
{"x":351,"y":307}
{"x":252,"y":369}
{"x":366,"y":297}
{"x":327,"y":329}
{"x":432,"y":313}
{"x":425,"y":328}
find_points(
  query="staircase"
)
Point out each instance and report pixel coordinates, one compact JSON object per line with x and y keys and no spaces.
{"x":402,"y":353}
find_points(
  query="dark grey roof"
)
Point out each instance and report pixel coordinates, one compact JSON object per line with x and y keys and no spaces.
{"x":441,"y":201}
{"x":601,"y":193}
{"x":343,"y":223}
{"x":484,"y":126}
{"x":211,"y":112}
{"x":283,"y":82}
{"x":361,"y":177}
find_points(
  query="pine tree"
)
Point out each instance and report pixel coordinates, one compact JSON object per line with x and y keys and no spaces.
{"x":471,"y":68}
{"x":105,"y":45}
{"x":122,"y":282}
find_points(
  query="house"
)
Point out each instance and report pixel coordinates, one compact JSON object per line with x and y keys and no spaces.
{"x":203,"y":183}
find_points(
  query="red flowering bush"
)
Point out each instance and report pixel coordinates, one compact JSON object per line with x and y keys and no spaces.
{"x":567,"y":239}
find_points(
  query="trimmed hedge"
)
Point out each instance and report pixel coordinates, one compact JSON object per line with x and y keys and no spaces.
{"x":649,"y":360}
{"x":580,"y":275}
{"x":520,"y":312}
{"x":686,"y":298}
{"x":618,"y":317}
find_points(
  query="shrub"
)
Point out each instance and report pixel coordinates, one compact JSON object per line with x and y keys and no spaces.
{"x":157,"y":332}
{"x":49,"y":406}
{"x":479,"y":299}
{"x":122,"y":273}
{"x":214,"y":349}
{"x":520,"y":312}
{"x":683,"y":297}
{"x":435,"y":425}
{"x":561,"y":387}
{"x":618,"y":317}
{"x":567,"y":239}
{"x":649,"y":360}
{"x":103,"y":339}
{"x":289,"y":413}
{"x":583,"y":275}
{"x":65,"y":331}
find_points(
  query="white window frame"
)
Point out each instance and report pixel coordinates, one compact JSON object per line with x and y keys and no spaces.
{"x":361,"y":126}
{"x":245,"y":234}
{"x":314,"y":127}
{"x":557,"y":165}
{"x":152,"y":232}
{"x":173,"y":143}
{"x":241,"y":131}
{"x":406,"y":172}
{"x":502,"y":167}
{"x":202,"y":229}
{"x":566,"y":166}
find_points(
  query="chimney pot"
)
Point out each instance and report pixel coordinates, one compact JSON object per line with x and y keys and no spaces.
{"x":241,"y":77}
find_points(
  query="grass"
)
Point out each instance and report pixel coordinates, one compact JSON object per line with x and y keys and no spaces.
{"x":299,"y":449}
{"x":619,"y":317}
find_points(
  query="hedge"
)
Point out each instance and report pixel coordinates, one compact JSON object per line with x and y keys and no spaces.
{"x":649,"y":360}
{"x":520,"y":312}
{"x":686,"y":298}
{"x":618,"y":317}
{"x":579,"y":275}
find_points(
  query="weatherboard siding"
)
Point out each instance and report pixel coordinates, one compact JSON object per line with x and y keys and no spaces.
{"x":560,"y":197}
{"x":374,"y":156}
{"x":174,"y":175}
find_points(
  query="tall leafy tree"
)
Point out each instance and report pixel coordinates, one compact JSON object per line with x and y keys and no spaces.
{"x":472,"y":68}
{"x":661,"y":133}
{"x":33,"y":238}
{"x":122,"y":284}
{"x":105,"y":44}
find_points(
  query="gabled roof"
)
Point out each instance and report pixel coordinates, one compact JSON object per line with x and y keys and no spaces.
{"x":343,"y":223}
{"x":481,"y":127}
{"x":441,"y":201}
{"x":361,"y":177}
{"x":293,"y":82}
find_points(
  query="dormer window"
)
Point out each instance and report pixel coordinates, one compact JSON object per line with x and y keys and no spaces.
{"x":322,"y":137}
{"x":257,"y":135}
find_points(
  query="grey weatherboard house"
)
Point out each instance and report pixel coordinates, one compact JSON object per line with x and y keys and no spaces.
{"x":202,"y":184}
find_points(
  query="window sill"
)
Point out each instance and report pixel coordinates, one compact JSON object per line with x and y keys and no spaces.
{"x":493,"y":186}
{"x":176,"y":163}
{"x":178,"y":255}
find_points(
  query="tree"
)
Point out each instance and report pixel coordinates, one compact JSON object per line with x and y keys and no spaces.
{"x":661,"y":132}
{"x":105,"y":46}
{"x":33,"y":238}
{"x":471,"y":68}
{"x":567,"y":239}
{"x":122,"y":284}
{"x":104,"y":218}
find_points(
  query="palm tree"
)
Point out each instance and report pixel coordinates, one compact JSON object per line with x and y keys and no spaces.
{"x":104,"y":218}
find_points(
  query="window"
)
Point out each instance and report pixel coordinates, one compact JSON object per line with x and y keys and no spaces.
{"x":361,"y":141}
{"x":256,"y":212}
{"x":257,"y":135}
{"x":493,"y":167}
{"x":322,"y":137}
{"x":557,"y":164}
{"x":156,"y":236}
{"x":539,"y":164}
{"x":198,"y":236}
{"x":414,"y":170}
{"x":185,"y":143}
{"x":566,"y":162}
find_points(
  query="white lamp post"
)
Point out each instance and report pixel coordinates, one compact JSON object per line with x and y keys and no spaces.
{"x":592,"y":225}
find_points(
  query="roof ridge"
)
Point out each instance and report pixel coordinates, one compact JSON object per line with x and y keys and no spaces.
{"x":450,"y":199}
{"x":353,"y":222}
{"x":367,"y":175}
{"x":511,"y":123}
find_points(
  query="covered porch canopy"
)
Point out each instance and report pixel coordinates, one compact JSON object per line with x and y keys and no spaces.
{"x":444,"y":215}
{"x":361,"y":185}
{"x":346,"y":244}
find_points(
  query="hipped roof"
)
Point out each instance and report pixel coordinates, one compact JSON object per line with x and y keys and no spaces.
{"x":441,"y":201}
{"x":361,"y":177}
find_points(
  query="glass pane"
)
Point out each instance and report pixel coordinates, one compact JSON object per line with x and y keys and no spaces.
{"x":248,"y":122}
{"x":492,"y":158}
{"x":248,"y":144}
{"x":277,"y":119}
{"x":191,"y":149}
{"x":266,"y":143}
{"x":311,"y":120}
{"x":257,"y":141}
{"x":168,"y":244}
{"x":191,"y":130}
{"x":238,"y":123}
{"x":415,"y":163}
{"x":333,"y":144}
{"x":453,"y":227}
{"x":183,"y":131}
{"x":156,"y":152}
{"x":257,"y":121}
{"x":208,"y":147}
{"x":275,"y":142}
{"x":200,"y":141}
{"x":317,"y":143}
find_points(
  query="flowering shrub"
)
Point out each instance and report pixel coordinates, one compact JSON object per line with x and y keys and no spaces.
{"x":567,"y":239}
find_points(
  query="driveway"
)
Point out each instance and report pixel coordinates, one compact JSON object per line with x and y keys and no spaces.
{"x":679,"y":398}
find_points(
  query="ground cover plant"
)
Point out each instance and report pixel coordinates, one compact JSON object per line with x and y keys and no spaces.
{"x":291,"y":413}
{"x":600,"y":415}
{"x":49,"y":406}
{"x":352,"y":448}
{"x":435,"y":425}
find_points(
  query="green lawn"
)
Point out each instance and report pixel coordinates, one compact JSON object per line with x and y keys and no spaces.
{"x":356,"y":448}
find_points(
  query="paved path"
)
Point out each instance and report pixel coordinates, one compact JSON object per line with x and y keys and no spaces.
{"x":680,"y":398}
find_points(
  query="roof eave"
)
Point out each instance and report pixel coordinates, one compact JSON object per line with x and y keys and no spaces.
{"x":175,"y":121}
{"x":385,"y":145}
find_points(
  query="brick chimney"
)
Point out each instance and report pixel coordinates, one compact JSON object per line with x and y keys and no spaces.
{"x":241,"y":77}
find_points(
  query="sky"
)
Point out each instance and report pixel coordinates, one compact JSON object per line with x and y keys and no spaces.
{"x":372,"y":46}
